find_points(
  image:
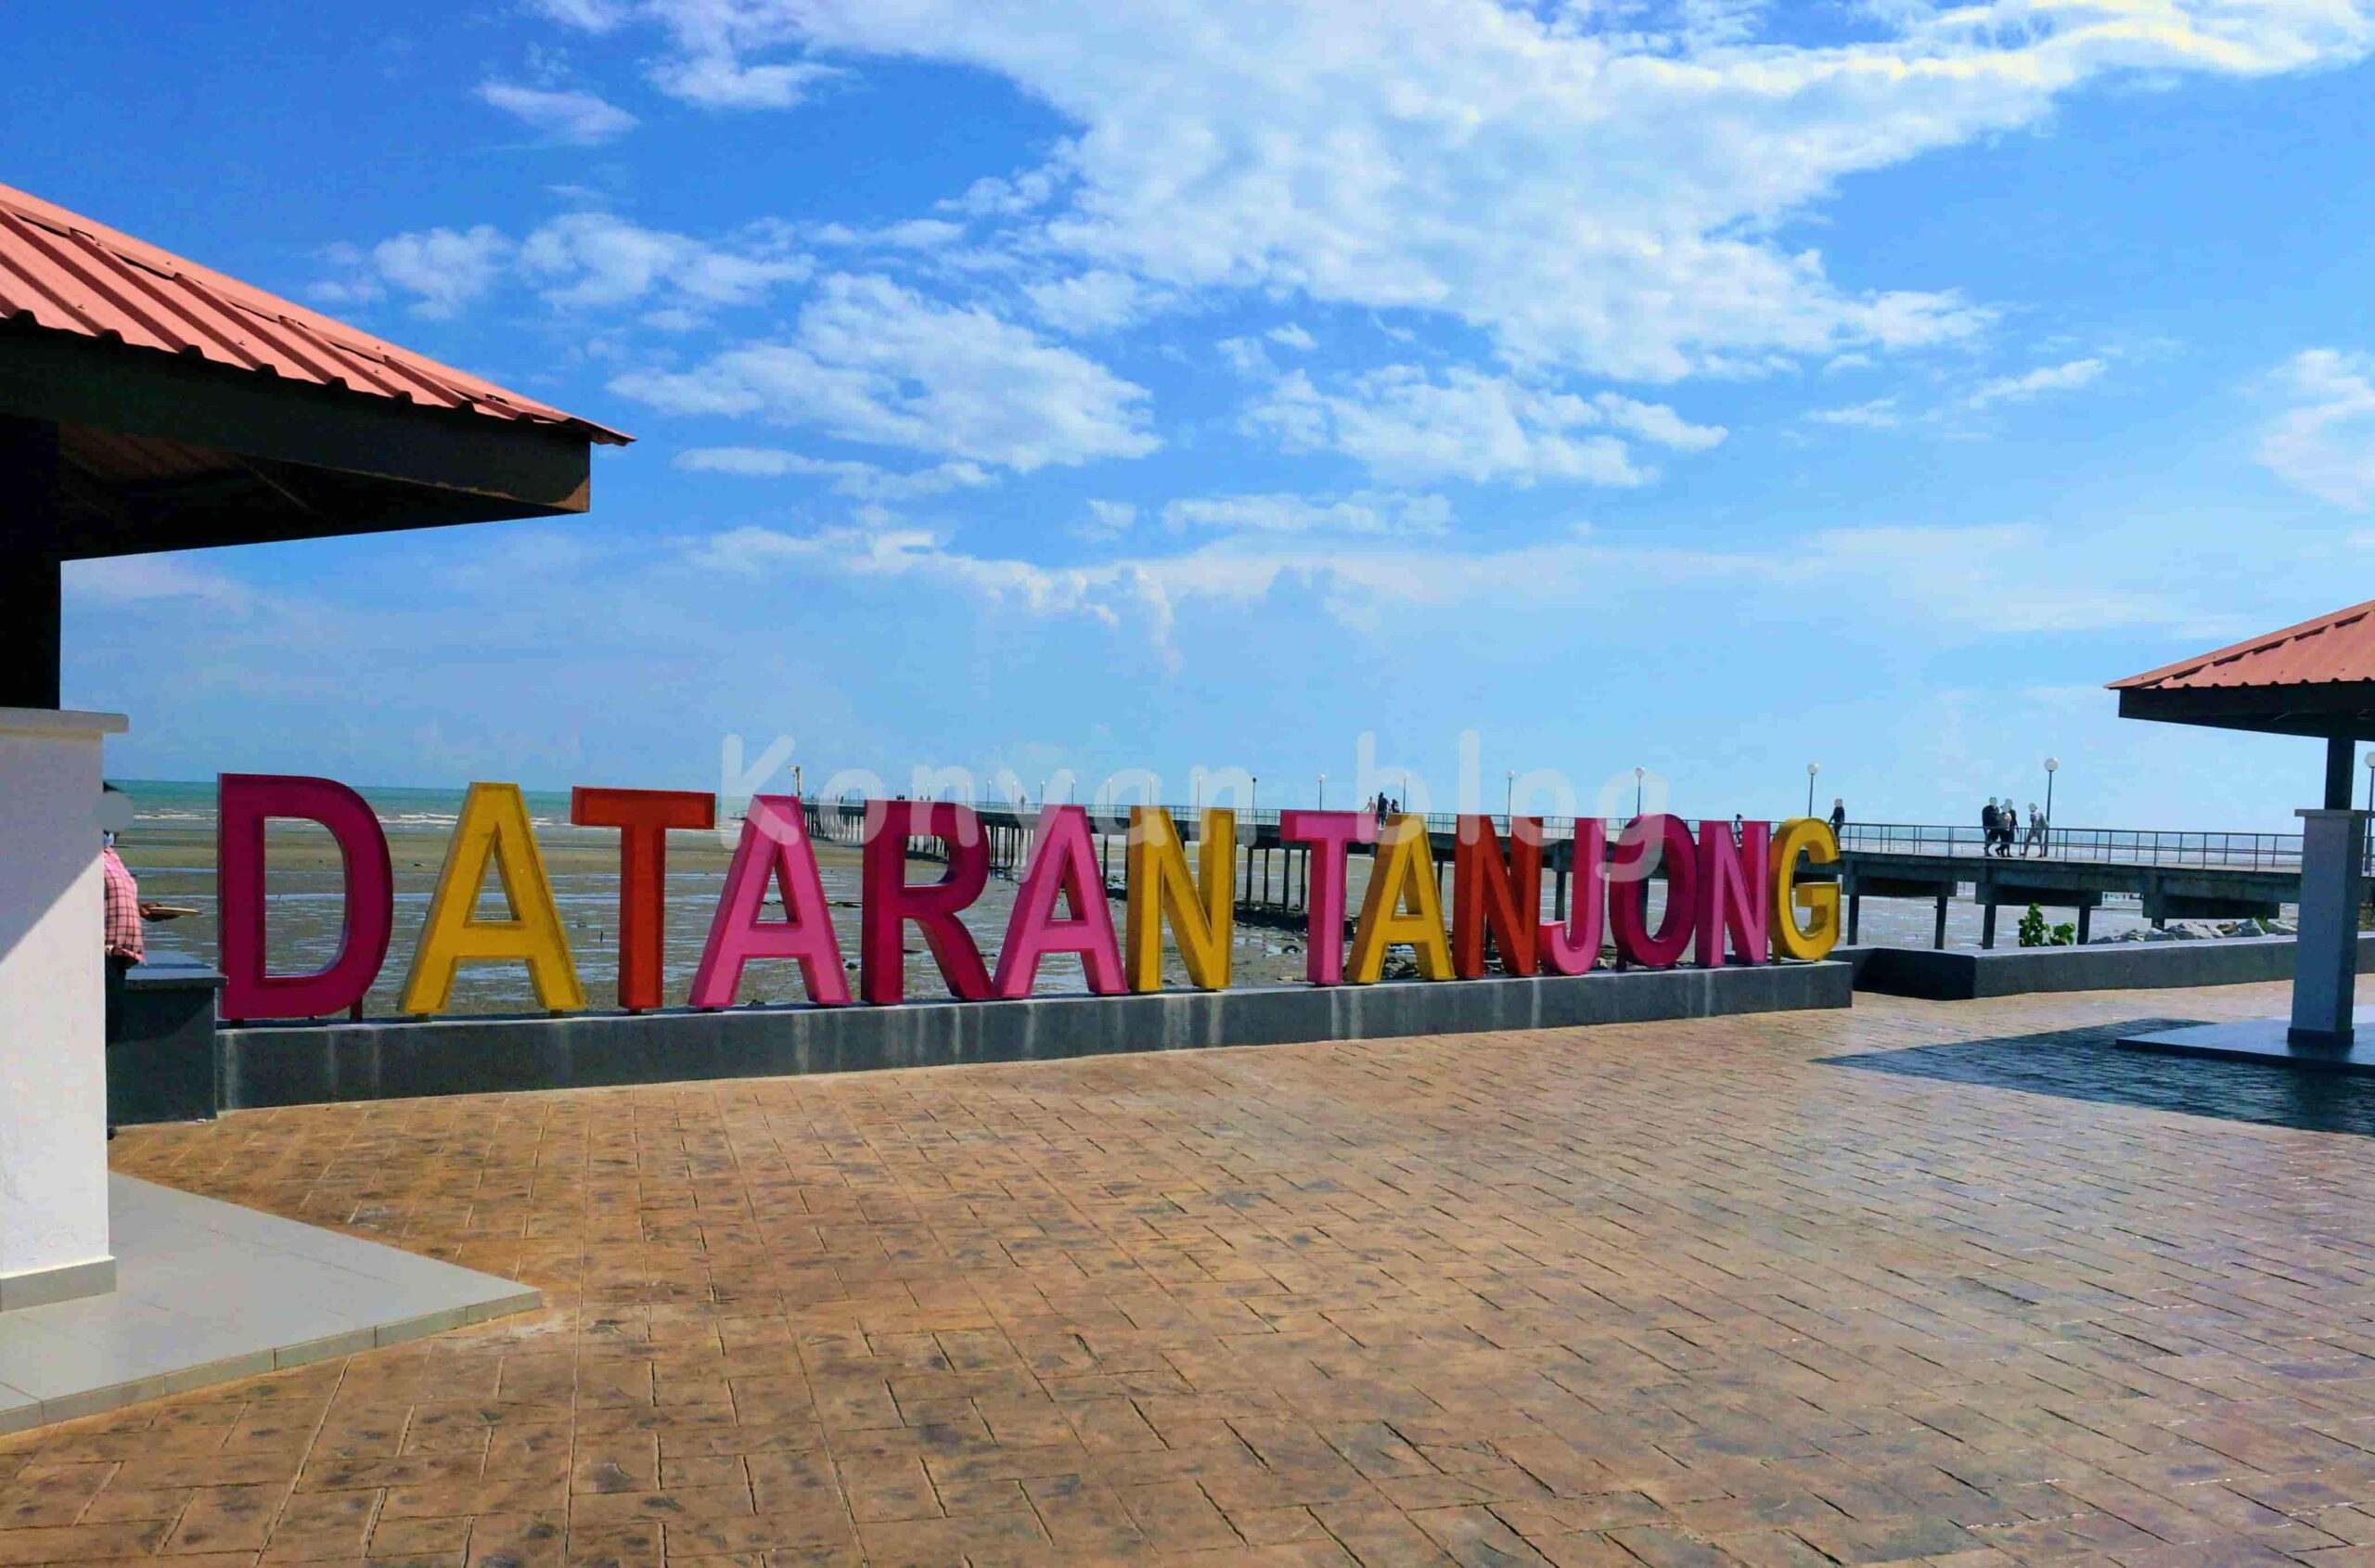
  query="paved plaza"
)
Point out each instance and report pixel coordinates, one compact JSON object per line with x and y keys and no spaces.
{"x":1921,"y":1282}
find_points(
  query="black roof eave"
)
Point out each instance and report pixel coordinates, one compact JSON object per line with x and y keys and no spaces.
{"x":423,"y":466}
{"x":2331,"y":711}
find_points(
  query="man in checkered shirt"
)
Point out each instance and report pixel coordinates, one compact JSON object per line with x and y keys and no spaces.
{"x":125,"y":944}
{"x":125,"y":911}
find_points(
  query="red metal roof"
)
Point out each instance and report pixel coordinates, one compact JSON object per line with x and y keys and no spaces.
{"x":2331,"y":649}
{"x":68,"y":273}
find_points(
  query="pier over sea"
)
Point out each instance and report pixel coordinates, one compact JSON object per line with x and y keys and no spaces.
{"x":2173,"y":874}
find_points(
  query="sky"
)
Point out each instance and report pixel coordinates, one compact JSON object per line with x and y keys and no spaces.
{"x":1296,"y":387}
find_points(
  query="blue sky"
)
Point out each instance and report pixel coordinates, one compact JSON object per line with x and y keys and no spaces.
{"x":1712,"y":387}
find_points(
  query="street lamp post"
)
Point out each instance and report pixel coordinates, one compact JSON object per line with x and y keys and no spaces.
{"x":2052,"y":767}
{"x":1639,"y":773}
{"x":1812,"y":768}
{"x":1253,"y":797}
{"x":1509,"y":794}
{"x":2371,"y":780}
{"x":1323,"y":792}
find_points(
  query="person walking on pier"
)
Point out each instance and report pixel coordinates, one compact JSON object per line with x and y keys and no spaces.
{"x":1837,"y":815}
{"x":2037,"y":831}
{"x":1991,"y":821}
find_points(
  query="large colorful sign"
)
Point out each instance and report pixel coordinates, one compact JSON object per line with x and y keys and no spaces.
{"x":1731,"y":896}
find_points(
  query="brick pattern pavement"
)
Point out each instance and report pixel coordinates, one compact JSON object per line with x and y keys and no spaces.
{"x":1781,"y":1290}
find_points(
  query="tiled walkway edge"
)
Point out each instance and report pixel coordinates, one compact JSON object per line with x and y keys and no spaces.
{"x":208,"y":1293}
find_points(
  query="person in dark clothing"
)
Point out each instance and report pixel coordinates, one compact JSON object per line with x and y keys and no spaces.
{"x":1837,"y":815}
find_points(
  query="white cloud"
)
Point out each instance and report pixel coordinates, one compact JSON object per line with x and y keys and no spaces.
{"x":590,"y":16}
{"x":2325,"y":441}
{"x":577,"y":118}
{"x":1943,"y":586}
{"x":1590,"y":186}
{"x":715,"y":81}
{"x":1982,"y":579}
{"x":1106,"y":520}
{"x":594,"y":260}
{"x":1881,"y":413}
{"x":1293,"y":336}
{"x":910,"y":234}
{"x":1373,"y":512}
{"x":1247,"y":357}
{"x":580,"y":260}
{"x":1656,"y":421}
{"x":1089,"y":302}
{"x":709,"y":40}
{"x":1112,"y":594}
{"x":123,"y":580}
{"x":874,"y":363}
{"x":2035,"y":384}
{"x":443,"y":269}
{"x":992,"y":197}
{"x":1404,"y":422}
{"x":864,"y":480}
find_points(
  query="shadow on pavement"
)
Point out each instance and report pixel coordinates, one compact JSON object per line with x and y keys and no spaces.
{"x":2085,"y":1064}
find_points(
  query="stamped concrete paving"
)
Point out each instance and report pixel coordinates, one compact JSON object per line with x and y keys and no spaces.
{"x":1944,"y":1283}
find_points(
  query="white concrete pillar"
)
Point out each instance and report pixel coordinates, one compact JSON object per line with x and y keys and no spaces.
{"x":2325,"y":962}
{"x":52,"y":1049}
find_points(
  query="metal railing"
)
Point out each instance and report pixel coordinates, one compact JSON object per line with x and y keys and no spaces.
{"x":2117,"y":847}
{"x":2113,"y":846}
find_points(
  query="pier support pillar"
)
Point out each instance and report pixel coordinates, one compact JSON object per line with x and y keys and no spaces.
{"x":1938,"y":936}
{"x":2325,"y":967}
{"x":1855,"y":918}
{"x":2085,"y":922}
{"x":1987,"y":924}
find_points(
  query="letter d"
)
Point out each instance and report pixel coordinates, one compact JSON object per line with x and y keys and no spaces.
{"x":243,"y":802}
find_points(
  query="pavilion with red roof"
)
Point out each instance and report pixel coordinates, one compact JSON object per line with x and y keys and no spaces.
{"x":2313,"y":679}
{"x":150,"y":404}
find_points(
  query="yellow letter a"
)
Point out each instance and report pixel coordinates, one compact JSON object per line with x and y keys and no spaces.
{"x":494,"y":825}
{"x":1403,"y":905}
{"x":1201,"y":917}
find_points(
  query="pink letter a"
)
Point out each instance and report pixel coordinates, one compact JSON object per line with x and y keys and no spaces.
{"x":774,"y":846}
{"x":1065,"y":862}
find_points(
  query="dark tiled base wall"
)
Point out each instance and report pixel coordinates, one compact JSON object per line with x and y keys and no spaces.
{"x":300,"y":1064}
{"x":1965,"y":974}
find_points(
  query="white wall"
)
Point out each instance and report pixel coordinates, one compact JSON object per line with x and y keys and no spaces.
{"x":52,"y":1056}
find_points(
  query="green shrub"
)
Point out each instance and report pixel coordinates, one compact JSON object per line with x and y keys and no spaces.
{"x":2035,"y":933}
